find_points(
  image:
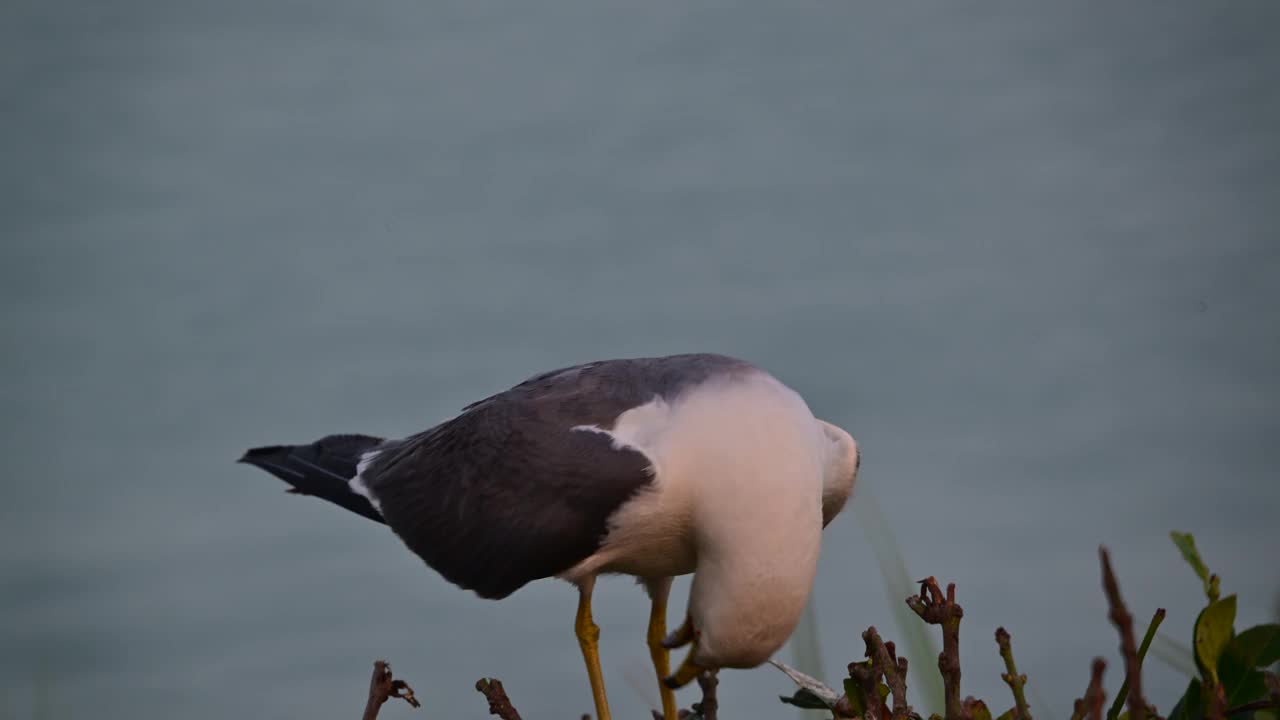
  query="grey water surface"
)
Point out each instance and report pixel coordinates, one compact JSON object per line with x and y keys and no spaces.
{"x":1026,"y":252}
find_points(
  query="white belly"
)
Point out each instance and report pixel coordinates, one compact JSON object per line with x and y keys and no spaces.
{"x":738,"y":466}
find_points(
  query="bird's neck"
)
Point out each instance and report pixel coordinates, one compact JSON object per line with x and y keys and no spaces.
{"x":746,"y":601}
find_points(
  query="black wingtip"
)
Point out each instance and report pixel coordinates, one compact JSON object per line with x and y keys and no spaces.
{"x":253,"y":455}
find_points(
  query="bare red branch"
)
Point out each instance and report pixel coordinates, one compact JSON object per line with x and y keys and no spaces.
{"x":382,"y":687}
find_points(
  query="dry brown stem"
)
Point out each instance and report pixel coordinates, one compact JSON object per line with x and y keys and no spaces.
{"x":383,"y":687}
{"x":1090,"y":706}
{"x":1123,"y":621}
{"x":867,"y":676}
{"x":935,"y":609}
{"x":1021,"y":711}
{"x":885,"y":662}
{"x":499,"y":703}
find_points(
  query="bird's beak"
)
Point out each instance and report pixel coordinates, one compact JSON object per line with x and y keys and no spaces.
{"x":687,"y":672}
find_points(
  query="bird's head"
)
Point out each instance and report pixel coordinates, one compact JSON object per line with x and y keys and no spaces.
{"x":843,"y":460}
{"x":741,"y":635}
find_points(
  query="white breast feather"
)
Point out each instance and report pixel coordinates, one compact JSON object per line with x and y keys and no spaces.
{"x":737,"y":495}
{"x":357,"y":483}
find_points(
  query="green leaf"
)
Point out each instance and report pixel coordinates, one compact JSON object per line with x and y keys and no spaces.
{"x":1186,"y":543}
{"x":1187,"y":546}
{"x":1190,"y":706}
{"x":853,"y":691}
{"x":1007,"y":714}
{"x":1213,"y":633}
{"x":1249,"y":687}
{"x":1258,"y":647}
{"x":807,"y":699}
{"x":1242,"y":682}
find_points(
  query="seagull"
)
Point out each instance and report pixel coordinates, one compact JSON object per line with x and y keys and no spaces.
{"x":651,"y":467}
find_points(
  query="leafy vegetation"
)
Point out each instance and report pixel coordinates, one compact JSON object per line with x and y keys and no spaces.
{"x":1232,"y":679}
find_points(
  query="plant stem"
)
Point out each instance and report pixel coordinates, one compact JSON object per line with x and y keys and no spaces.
{"x":499,"y":703}
{"x":1123,"y":621}
{"x":1016,"y":682}
{"x":884,"y":658}
{"x":382,"y":687}
{"x":934,"y":609}
{"x":1090,"y":705}
{"x":1116,"y":706}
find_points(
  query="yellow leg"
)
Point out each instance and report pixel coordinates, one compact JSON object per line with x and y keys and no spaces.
{"x":589,"y":640}
{"x":658,"y":592}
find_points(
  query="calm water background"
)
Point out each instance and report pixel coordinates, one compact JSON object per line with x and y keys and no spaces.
{"x":1026,"y":253}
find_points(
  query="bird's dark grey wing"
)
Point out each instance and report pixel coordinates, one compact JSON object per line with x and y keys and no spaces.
{"x":494,"y":498}
{"x":508,"y":491}
{"x":540,"y":377}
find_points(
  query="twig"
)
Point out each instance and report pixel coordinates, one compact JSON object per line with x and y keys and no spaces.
{"x":710,"y":705}
{"x":935,"y":610}
{"x":1270,"y":703}
{"x":1123,"y":621}
{"x":383,"y":687}
{"x":1016,"y":682}
{"x":1095,"y":695}
{"x":1156,"y":619}
{"x":867,"y":675}
{"x":499,"y":703}
{"x":1090,"y":705}
{"x":884,"y":658}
